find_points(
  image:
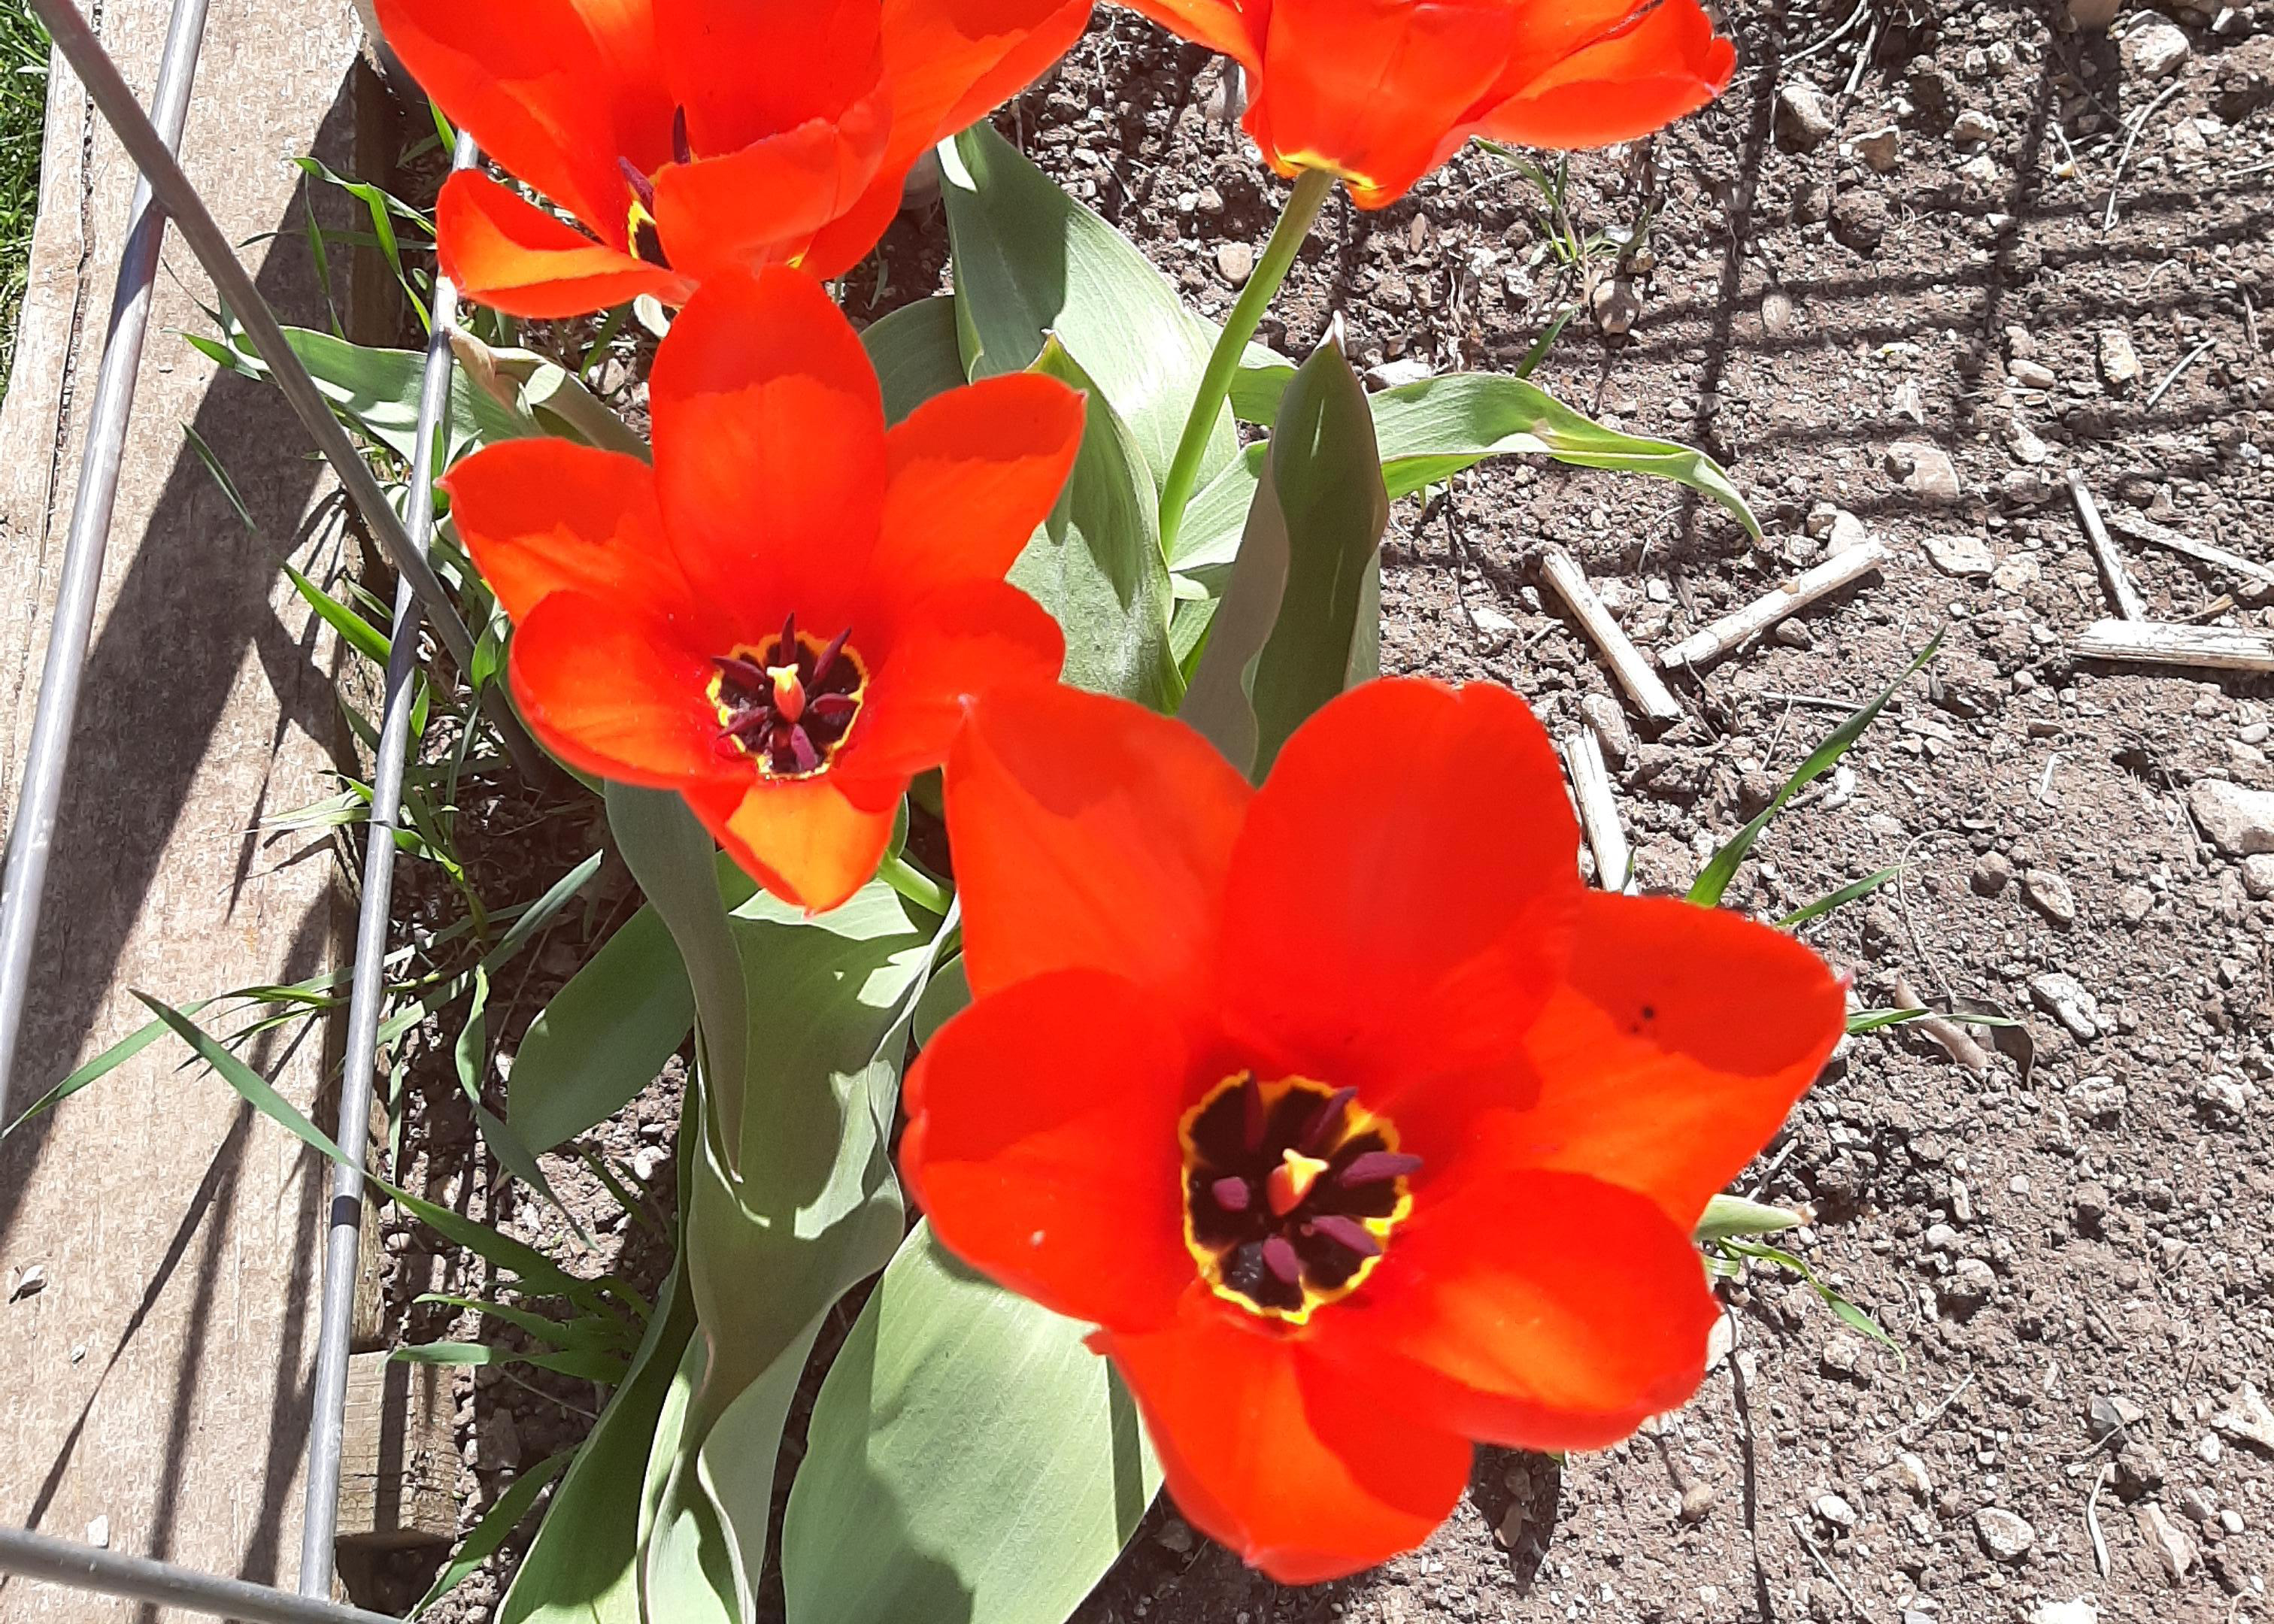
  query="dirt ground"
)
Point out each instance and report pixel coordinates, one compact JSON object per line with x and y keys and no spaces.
{"x":1904,"y":276}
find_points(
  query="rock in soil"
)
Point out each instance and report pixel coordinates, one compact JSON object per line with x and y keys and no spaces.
{"x":1803,"y":117}
{"x":2239,"y":821}
{"x":2003,"y":1535}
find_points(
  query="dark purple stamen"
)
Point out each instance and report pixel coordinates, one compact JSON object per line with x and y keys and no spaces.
{"x":1279,"y":1257}
{"x":1373,"y":1167}
{"x":680,"y":149}
{"x":1325,"y":1123}
{"x":1233,"y":1193}
{"x":643,"y":188}
{"x":1251,"y":1105}
{"x":828,"y":655}
{"x":1346,"y":1232}
{"x":750,"y":674}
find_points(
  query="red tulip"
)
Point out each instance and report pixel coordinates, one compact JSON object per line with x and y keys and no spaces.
{"x":784,"y":617}
{"x":1382,"y":91}
{"x":688,"y":136}
{"x":1357,"y":1126}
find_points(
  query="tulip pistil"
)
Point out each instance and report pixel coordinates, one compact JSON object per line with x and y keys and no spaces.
{"x":789,"y":704}
{"x":1291,"y":1191}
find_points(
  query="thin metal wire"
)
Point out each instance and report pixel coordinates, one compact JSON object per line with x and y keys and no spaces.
{"x":31,"y":834}
{"x":137,"y":1578}
{"x":327,"y":1406}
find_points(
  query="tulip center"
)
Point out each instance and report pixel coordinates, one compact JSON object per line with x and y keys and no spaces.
{"x":1291,"y":1190}
{"x":788,"y":703}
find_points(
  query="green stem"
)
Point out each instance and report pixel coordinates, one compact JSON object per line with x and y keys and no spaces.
{"x":1303,"y":206}
{"x":913,"y":884}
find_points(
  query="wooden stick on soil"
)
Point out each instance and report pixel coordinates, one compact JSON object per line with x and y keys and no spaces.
{"x":2131,"y":521}
{"x":2121,"y":589}
{"x":1757,"y":617}
{"x":1598,"y":813}
{"x":2158,"y":642}
{"x":1627,"y":663}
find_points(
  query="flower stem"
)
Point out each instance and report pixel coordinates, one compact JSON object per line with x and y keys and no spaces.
{"x":913,"y":884}
{"x":1303,"y":206}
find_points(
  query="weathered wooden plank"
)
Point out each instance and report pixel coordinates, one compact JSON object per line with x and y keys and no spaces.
{"x":160,"y":1380}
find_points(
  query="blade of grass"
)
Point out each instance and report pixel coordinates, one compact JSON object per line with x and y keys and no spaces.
{"x":498,"y":1522}
{"x":1839,"y":899}
{"x":1723,"y":867}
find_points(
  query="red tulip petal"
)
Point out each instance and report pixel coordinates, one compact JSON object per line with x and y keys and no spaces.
{"x":613,"y":695}
{"x":799,"y":838}
{"x":1269,"y":1451}
{"x":762,"y":205}
{"x":1092,"y":832}
{"x":844,"y":242}
{"x":770,"y":451}
{"x":1374,"y":92}
{"x":749,"y":70}
{"x":544,"y":515}
{"x":1400,"y":898}
{"x":955,"y":646}
{"x":559,"y":92}
{"x":1042,"y":1145}
{"x":952,"y":64}
{"x":1216,"y":24}
{"x":504,"y":251}
{"x":1678,"y":1046}
{"x":1666,"y":66}
{"x":972,"y":473}
{"x":1534,"y":1310}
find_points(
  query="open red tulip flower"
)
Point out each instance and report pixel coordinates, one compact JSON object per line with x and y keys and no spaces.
{"x":1382,"y":91}
{"x":1357,"y":1126}
{"x":691,"y":136}
{"x":785,"y":618}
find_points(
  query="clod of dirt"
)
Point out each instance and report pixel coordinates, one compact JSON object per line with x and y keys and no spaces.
{"x":1926,"y":471}
{"x":2239,"y":821}
{"x":2156,"y":49}
{"x":2003,"y":1535}
{"x":2080,"y":1611}
{"x":2049,"y":893}
{"x":2063,"y":997}
{"x":1616,"y":305}
{"x":2092,"y":16}
{"x":1859,"y":220}
{"x":1803,"y":118}
{"x":2119,"y":363}
{"x":2175,"y":1553}
{"x":1881,"y":148}
{"x":2248,"y":1420}
{"x":1960,"y":555}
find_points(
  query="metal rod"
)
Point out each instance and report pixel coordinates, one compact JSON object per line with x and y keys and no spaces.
{"x":32,"y":832}
{"x":137,"y":1578}
{"x":112,"y":97}
{"x":342,"y":1242}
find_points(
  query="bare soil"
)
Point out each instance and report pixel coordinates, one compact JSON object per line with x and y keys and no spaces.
{"x":2066,"y":1248}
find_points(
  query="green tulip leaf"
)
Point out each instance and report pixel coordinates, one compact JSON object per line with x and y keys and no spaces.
{"x":969,"y":1461}
{"x":1030,"y":261}
{"x":1297,"y":623}
{"x":915,"y":352}
{"x":1095,"y":563}
{"x":604,"y":1036}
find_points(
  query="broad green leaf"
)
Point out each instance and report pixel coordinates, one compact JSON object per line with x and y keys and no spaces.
{"x":915,"y":352}
{"x":377,"y":391}
{"x":1726,"y":1215}
{"x":472,"y":1053}
{"x":1095,"y":563}
{"x":585,"y":1363}
{"x":947,"y":997}
{"x":1722,"y":867}
{"x":1287,"y":637}
{"x":1430,"y":431}
{"x":582,"y":1567}
{"x":1030,"y":261}
{"x":813,"y":1208}
{"x":604,"y":1035}
{"x":969,"y":1461}
{"x":672,"y":858}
